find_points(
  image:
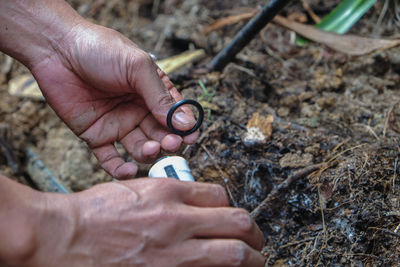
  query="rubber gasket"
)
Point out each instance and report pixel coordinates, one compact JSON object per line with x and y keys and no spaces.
{"x":175,"y":107}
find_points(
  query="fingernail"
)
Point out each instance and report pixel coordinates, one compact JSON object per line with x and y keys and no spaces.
{"x":183,"y":118}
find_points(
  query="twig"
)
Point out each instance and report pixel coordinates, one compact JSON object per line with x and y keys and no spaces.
{"x":307,"y":7}
{"x":385,"y":127}
{"x":369,"y":129}
{"x":362,"y":255}
{"x":8,"y":153}
{"x":156,"y":6}
{"x":386,"y":231}
{"x":392,"y":120}
{"x":246,"y":34}
{"x":227,"y":21}
{"x":42,"y":176}
{"x":341,"y":153}
{"x":321,"y":206}
{"x":397,"y":228}
{"x":381,"y":16}
{"x":285,"y":184}
{"x":394,"y":176}
{"x":296,"y":242}
{"x":225,"y":180}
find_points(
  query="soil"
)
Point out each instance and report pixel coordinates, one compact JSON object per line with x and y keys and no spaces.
{"x":336,"y":113}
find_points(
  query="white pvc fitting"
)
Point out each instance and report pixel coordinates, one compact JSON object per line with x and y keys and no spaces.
{"x":171,"y":167}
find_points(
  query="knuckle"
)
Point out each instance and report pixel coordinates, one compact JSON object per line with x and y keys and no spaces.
{"x":165,"y":100}
{"x":143,"y":59}
{"x":239,"y":254}
{"x":166,"y":185}
{"x":221,"y":194}
{"x":171,"y":188}
{"x":243,"y":220}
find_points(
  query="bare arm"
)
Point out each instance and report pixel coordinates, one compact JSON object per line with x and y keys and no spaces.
{"x":31,"y":29}
{"x":106,"y":89}
{"x":101,"y":84}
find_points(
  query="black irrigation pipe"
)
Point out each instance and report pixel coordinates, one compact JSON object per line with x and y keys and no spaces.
{"x":246,"y":34}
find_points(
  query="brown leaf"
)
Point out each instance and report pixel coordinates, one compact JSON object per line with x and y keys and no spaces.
{"x":348,"y":44}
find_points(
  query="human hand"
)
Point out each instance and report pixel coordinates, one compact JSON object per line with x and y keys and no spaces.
{"x":106,"y":89}
{"x":146,"y":222}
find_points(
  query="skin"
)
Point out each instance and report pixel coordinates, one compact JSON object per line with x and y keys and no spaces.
{"x":106,"y":89}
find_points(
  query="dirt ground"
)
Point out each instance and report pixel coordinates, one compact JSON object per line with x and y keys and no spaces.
{"x":336,"y":113}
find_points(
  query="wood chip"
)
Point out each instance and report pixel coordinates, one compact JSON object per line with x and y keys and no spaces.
{"x":25,"y":86}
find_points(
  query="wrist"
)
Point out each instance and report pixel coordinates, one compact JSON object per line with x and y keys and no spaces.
{"x":32,"y":30}
{"x":20,"y":208}
{"x":54,"y":230}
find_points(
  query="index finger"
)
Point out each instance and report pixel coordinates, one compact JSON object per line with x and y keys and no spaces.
{"x":194,"y":193}
{"x":205,"y":195}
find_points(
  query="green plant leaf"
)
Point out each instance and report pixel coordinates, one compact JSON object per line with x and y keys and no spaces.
{"x":342,"y":18}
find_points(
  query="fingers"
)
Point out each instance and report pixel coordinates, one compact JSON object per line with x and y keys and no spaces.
{"x":190,"y":193}
{"x":221,"y":253}
{"x":233,"y":223}
{"x":155,"y":131}
{"x":112,"y":162}
{"x":203,"y":194}
{"x":140,"y":147}
{"x":145,"y":79}
{"x":212,"y":218}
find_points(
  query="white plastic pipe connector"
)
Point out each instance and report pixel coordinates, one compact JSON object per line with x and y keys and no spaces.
{"x":171,"y":167}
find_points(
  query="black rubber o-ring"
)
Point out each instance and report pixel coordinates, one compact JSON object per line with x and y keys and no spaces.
{"x":175,"y":107}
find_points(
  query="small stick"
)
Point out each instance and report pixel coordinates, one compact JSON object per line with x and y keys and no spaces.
{"x":307,"y":7}
{"x":385,"y":231}
{"x":385,"y":127}
{"x":246,"y":34}
{"x":321,"y":204}
{"x":224,"y":179}
{"x":394,"y":176}
{"x":285,"y":184}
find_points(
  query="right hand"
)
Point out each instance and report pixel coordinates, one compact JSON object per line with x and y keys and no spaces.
{"x":147,"y":222}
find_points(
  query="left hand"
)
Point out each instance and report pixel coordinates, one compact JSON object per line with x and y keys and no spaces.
{"x":106,"y":89}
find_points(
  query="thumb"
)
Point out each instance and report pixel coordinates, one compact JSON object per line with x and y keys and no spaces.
{"x":158,"y":92}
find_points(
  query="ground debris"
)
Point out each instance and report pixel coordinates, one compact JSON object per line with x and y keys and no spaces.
{"x":327,"y":108}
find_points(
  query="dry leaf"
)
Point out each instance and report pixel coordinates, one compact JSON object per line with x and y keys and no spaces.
{"x":348,"y":44}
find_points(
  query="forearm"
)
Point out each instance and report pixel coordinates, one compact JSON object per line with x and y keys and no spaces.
{"x":31,"y":30}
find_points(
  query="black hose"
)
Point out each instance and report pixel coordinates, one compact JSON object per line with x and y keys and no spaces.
{"x":246,"y":34}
